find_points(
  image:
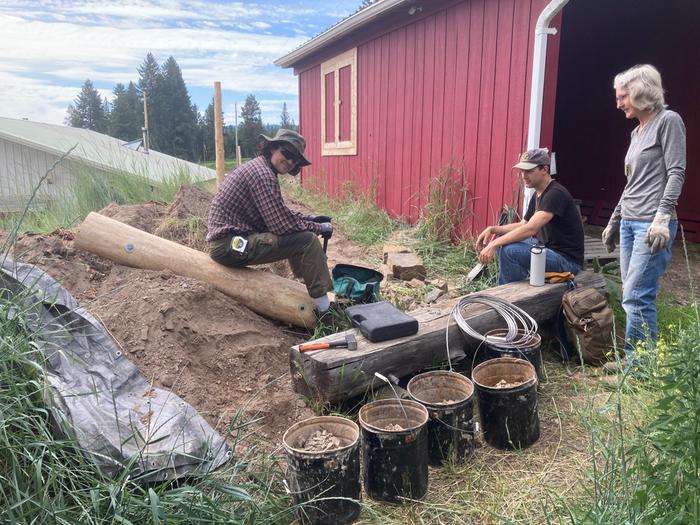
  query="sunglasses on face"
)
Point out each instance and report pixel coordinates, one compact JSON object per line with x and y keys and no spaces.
{"x":290,"y":155}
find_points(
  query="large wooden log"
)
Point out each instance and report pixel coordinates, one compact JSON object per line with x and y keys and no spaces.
{"x":339,"y":374}
{"x":263,"y":292}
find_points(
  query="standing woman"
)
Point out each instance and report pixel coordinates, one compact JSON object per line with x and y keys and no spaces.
{"x":645,"y":216}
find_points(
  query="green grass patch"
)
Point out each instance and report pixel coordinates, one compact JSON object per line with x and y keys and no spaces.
{"x":357,"y":215}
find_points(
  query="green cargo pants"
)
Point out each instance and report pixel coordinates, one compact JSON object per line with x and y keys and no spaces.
{"x":302,"y":250}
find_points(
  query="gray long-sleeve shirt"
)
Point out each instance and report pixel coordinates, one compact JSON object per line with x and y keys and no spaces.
{"x":655,"y":169}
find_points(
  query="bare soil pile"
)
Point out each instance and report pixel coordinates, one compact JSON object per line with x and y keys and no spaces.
{"x":183,"y":334}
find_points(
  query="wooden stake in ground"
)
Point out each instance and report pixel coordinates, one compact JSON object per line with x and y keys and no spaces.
{"x":218,"y":133}
{"x":263,"y":292}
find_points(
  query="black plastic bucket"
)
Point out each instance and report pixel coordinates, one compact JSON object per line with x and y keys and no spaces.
{"x":324,"y":483}
{"x":448,"y":398}
{"x":508,"y":413}
{"x":531,"y":351}
{"x":395,"y":462}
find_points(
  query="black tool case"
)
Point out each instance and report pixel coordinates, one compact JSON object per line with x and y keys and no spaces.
{"x":381,"y":321}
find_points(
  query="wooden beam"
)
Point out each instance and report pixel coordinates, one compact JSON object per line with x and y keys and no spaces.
{"x":218,"y":133}
{"x":263,"y":292}
{"x":339,"y":374}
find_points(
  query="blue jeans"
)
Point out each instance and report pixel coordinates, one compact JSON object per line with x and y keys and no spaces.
{"x":640,"y":272}
{"x":514,"y":262}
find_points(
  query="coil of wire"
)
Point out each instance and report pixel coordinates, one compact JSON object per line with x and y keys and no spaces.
{"x":522,"y":328}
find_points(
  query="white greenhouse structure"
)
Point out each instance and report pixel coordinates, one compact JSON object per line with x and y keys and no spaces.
{"x":28,"y":150}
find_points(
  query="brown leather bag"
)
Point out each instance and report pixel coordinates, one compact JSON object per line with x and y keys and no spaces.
{"x":589,"y":324}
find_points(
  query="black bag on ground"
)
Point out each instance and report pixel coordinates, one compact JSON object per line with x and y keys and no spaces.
{"x":589,"y":324}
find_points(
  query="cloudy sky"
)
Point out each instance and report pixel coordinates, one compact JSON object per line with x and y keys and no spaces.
{"x":48,"y":48}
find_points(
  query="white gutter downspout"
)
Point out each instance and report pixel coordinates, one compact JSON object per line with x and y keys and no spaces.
{"x":542,"y":30}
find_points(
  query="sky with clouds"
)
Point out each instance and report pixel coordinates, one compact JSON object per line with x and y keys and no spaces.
{"x":49,"y":47}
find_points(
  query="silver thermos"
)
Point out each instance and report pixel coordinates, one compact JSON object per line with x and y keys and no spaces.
{"x":538,"y":260}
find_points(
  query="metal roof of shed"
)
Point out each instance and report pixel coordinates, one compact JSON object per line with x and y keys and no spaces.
{"x":355,"y":21}
{"x":99,"y":150}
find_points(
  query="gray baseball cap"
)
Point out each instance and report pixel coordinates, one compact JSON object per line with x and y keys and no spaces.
{"x":533,"y":158}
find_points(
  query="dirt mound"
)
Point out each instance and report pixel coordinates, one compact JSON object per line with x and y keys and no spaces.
{"x":213,"y":352}
{"x":190,"y":202}
{"x":142,"y":216}
{"x":185,"y":219}
{"x":183,"y":334}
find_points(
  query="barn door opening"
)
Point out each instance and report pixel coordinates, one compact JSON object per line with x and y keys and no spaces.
{"x":599,"y":39}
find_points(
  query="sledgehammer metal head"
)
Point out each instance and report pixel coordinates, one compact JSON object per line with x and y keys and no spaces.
{"x":350,"y":342}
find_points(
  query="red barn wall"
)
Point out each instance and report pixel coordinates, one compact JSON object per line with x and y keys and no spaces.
{"x":450,"y":89}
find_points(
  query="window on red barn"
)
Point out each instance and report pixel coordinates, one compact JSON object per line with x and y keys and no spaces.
{"x":339,"y":104}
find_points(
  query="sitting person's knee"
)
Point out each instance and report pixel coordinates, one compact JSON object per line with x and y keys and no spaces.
{"x":307,"y":238}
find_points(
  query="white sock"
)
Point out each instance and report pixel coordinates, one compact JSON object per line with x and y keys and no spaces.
{"x":323,"y":303}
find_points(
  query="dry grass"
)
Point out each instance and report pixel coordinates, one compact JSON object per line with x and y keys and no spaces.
{"x":528,"y":486}
{"x":190,"y":232}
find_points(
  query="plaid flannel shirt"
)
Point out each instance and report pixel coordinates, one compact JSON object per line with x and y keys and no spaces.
{"x":249,"y":200}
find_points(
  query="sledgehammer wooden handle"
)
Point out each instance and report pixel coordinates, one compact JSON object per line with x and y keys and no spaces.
{"x":313,"y":346}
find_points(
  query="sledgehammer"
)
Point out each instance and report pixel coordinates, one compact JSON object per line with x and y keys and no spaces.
{"x":350,"y":342}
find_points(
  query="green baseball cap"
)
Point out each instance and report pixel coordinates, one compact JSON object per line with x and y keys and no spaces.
{"x":293,"y":139}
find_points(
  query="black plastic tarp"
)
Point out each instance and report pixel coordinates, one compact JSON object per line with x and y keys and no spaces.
{"x":98,"y":397}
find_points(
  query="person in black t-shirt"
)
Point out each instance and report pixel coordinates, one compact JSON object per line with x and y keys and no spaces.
{"x":552,"y":219}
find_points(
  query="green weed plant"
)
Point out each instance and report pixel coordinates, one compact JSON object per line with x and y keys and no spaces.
{"x":667,"y":456}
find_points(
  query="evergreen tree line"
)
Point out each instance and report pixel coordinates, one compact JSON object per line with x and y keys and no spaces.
{"x":176,"y":126}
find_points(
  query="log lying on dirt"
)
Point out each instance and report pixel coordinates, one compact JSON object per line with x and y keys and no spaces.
{"x":263,"y":292}
{"x":339,"y":374}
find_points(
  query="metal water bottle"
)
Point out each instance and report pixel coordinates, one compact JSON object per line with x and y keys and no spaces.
{"x":538,"y":259}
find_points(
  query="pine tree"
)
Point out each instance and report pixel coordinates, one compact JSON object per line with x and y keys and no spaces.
{"x":150,"y":81}
{"x":177,"y":118}
{"x":285,"y":120}
{"x":126,"y":117}
{"x":206,"y":133}
{"x":251,"y":127}
{"x":88,"y":111}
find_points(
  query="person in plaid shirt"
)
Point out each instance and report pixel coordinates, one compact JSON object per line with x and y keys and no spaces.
{"x":248,"y":206}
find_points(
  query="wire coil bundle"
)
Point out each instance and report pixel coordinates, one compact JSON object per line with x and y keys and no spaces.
{"x":522,"y":328}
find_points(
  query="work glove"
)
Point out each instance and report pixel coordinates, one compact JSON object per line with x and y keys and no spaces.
{"x":610,"y":233}
{"x":658,"y":234}
{"x":319,"y":218}
{"x":326,"y":230}
{"x":558,"y":277}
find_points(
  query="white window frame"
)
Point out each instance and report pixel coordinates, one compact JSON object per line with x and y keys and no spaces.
{"x":333,"y":145}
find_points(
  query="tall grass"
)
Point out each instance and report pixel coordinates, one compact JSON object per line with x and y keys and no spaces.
{"x":441,"y":238}
{"x":89,"y":191}
{"x":45,"y":478}
{"x":447,"y":209}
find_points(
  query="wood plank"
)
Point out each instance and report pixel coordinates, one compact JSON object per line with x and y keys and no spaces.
{"x":593,"y":248}
{"x":339,"y":374}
